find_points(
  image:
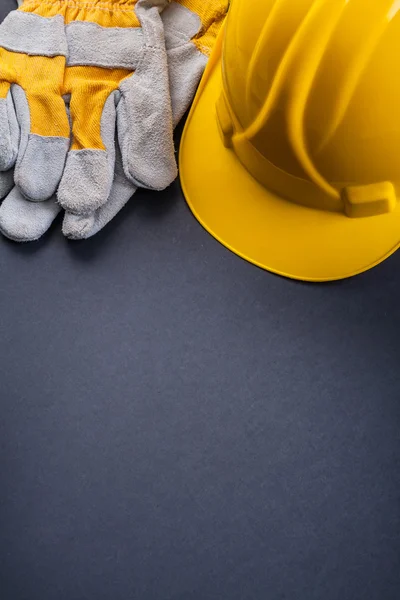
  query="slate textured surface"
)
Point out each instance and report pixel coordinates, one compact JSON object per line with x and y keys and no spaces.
{"x":179,"y":425}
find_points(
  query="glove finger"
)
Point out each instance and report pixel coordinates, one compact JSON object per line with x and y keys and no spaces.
{"x":6,"y":183}
{"x":24,"y":221}
{"x":79,"y":227}
{"x":9,"y":130}
{"x":41,"y":158}
{"x":144,"y":112}
{"x":87,"y":179}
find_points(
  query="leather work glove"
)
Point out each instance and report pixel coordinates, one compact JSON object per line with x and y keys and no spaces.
{"x":110,"y":59}
{"x":190,"y":30}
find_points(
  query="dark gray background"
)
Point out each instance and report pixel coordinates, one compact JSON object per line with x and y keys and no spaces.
{"x":177,"y":424}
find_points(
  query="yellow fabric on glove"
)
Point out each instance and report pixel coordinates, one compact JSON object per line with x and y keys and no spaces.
{"x":212,"y":14}
{"x":89,"y":86}
{"x":114,"y":13}
{"x":42,"y":79}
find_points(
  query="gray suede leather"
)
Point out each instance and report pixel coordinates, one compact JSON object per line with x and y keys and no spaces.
{"x":78,"y":227}
{"x":85,"y":181}
{"x":48,"y":155}
{"x":145,"y":118}
{"x":23,"y":221}
{"x":90,"y":44}
{"x":144,"y":112}
{"x":180,"y":25}
{"x":40,"y":161}
{"x":33,"y":34}
{"x":186,"y":66}
{"x":82,"y":227}
{"x":9,"y":133}
{"x":6,"y":183}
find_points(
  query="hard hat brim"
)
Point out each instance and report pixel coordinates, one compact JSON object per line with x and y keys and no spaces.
{"x":271,"y":232}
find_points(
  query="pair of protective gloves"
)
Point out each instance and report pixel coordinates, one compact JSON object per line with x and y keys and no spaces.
{"x":90,"y":92}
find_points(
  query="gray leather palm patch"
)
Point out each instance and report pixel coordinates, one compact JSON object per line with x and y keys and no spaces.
{"x":32,"y":34}
{"x":112,"y":48}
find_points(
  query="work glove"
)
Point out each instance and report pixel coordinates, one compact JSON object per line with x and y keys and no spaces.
{"x":110,"y":59}
{"x":190,"y":28}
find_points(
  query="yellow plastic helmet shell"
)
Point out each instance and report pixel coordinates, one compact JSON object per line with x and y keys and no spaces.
{"x":291,"y":152}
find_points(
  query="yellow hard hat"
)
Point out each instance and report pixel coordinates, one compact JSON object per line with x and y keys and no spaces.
{"x":291,"y":152}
